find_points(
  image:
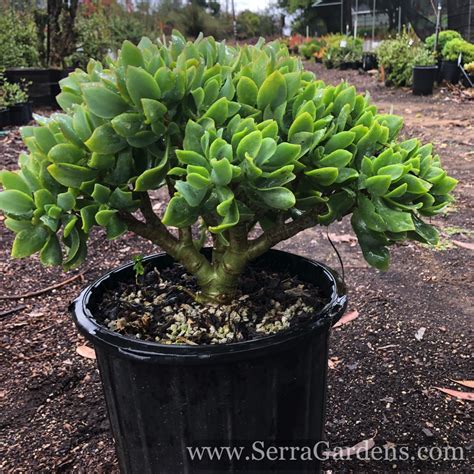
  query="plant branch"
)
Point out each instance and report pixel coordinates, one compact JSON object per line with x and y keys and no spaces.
{"x":158,"y":234}
{"x":147,"y":210}
{"x":280,"y":233}
{"x":185,"y":235}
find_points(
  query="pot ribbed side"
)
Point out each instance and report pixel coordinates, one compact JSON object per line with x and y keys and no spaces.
{"x":164,"y":399}
{"x":157,"y":411}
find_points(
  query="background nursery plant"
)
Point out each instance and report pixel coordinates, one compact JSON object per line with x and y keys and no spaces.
{"x":242,"y":139}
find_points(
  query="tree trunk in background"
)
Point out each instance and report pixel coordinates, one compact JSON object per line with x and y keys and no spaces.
{"x":61,"y":31}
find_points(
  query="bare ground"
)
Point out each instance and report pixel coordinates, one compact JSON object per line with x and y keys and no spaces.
{"x":382,"y":378}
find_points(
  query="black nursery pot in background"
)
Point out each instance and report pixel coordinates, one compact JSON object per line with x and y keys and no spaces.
{"x":423,"y":79}
{"x":4,"y":118}
{"x":369,"y":61}
{"x":467,"y":83}
{"x":43,"y":83}
{"x":450,"y":72}
{"x":162,"y":399}
{"x":21,"y":114}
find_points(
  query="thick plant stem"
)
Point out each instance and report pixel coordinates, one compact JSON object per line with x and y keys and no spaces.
{"x":217,"y":279}
{"x":219,"y":285}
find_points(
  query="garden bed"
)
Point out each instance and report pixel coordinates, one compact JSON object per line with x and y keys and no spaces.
{"x":383,"y":367}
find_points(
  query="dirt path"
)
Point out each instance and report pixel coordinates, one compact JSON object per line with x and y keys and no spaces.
{"x":382,"y":378}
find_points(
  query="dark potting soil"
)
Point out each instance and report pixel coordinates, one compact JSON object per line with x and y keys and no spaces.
{"x":160,"y":306}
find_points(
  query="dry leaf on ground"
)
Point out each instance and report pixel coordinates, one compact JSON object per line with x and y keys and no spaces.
{"x":349,"y":316}
{"x":466,"y":383}
{"x":346,"y":238}
{"x":464,"y":245}
{"x":86,"y":351}
{"x":457,"y":393}
{"x":420,"y":333}
{"x":358,"y":448}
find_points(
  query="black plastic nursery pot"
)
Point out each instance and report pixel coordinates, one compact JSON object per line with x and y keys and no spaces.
{"x":166,"y":401}
{"x":21,"y":114}
{"x":423,"y":79}
{"x":467,"y":83}
{"x":43,"y":83}
{"x":4,"y":118}
{"x":369,"y":61}
{"x":450,"y":72}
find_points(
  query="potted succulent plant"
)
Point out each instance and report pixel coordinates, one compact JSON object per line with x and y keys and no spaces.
{"x":16,"y":98}
{"x":454,"y":51}
{"x":225,"y":342}
{"x":469,"y":68}
{"x":424,"y":72}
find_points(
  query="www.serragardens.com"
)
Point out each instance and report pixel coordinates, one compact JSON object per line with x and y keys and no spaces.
{"x":259,"y":451}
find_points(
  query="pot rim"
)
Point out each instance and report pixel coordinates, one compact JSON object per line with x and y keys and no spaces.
{"x":426,"y":67}
{"x":150,"y":351}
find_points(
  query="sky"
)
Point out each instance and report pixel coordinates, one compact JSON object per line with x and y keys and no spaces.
{"x":254,"y":5}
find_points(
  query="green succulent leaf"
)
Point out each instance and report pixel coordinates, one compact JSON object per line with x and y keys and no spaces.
{"x":16,"y":202}
{"x":12,"y":180}
{"x":105,"y":141}
{"x":372,"y":244}
{"x":28,"y":242}
{"x":131,"y":55}
{"x":70,"y":175}
{"x":221,"y":173}
{"x":337,"y":159}
{"x":339,"y":141}
{"x":250,"y":145}
{"x":272,"y":92}
{"x":378,"y":185}
{"x":51,"y":253}
{"x":247,"y":91}
{"x":277,"y":198}
{"x":66,"y":201}
{"x":65,"y":153}
{"x":141,"y":85}
{"x":102,"y":101}
{"x":303,"y":123}
{"x":179,"y":213}
{"x":127,"y":124}
{"x":324,"y":176}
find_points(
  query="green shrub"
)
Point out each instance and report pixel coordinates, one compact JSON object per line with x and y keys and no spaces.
{"x":424,"y":57}
{"x":193,"y":19}
{"x":239,"y":137}
{"x":309,"y":48}
{"x":335,"y":55}
{"x":94,"y":39}
{"x":469,"y":67}
{"x":397,"y":56}
{"x":443,"y":38}
{"x":123,"y":27}
{"x":18,"y":40}
{"x":455,"y":47}
{"x":14,"y":94}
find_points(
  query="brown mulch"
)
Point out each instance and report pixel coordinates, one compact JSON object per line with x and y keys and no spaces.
{"x":382,"y":375}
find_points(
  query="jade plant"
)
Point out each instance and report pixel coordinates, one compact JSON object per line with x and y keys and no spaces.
{"x":251,"y":148}
{"x":458,"y":47}
{"x":443,"y":38}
